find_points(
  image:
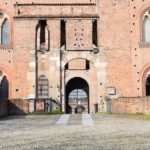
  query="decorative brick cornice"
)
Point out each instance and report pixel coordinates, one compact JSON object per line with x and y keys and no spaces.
{"x":6,"y":47}
{"x":56,"y":17}
{"x":55,"y":4}
{"x":144,"y":44}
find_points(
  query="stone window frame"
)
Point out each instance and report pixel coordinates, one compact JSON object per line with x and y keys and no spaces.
{"x":142,"y":43}
{"x":38,"y":44}
{"x":2,"y":20}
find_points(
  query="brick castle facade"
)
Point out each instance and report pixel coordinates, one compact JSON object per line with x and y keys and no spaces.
{"x":79,"y":53}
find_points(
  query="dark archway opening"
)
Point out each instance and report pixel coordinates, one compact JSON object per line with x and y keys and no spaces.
{"x":148,"y":86}
{"x":77,"y":96}
{"x":4,"y":88}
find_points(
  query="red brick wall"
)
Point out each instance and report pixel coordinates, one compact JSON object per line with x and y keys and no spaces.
{"x":77,"y":64}
{"x":3,"y":108}
{"x":120,"y":63}
{"x":79,"y":35}
{"x":131,"y":105}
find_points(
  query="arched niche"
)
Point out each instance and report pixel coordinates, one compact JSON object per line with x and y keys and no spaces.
{"x":78,"y":64}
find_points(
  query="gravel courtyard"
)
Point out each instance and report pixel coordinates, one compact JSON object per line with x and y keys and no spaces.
{"x":110,"y":132}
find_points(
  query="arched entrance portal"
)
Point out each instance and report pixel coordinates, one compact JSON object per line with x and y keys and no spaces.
{"x":148,"y":86}
{"x":77,"y":96}
{"x":4,"y":88}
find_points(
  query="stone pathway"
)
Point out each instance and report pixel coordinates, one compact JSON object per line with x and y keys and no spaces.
{"x":74,"y":132}
{"x":87,"y":120}
{"x":63,"y":120}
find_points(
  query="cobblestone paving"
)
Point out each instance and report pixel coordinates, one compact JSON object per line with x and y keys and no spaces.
{"x":107,"y":133}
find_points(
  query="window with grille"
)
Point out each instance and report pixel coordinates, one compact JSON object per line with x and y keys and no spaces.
{"x":43,"y":87}
{"x":78,"y":94}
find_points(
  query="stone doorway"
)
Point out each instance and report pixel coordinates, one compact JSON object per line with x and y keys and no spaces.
{"x":4,"y":88}
{"x":77,"y":96}
{"x":148,"y":86}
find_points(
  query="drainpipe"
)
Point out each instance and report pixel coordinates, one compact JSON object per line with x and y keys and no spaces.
{"x":61,"y":78}
{"x":36,"y":70}
{"x":65,"y":91}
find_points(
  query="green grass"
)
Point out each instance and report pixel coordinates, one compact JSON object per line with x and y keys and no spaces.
{"x":55,"y":112}
{"x":104,"y":113}
{"x":138,"y":116}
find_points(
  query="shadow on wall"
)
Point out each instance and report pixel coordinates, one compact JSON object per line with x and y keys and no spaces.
{"x":13,"y":117}
{"x":24,"y":107}
{"x":18,"y":107}
{"x":3,"y":108}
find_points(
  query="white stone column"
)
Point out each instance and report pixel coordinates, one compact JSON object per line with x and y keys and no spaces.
{"x":38,"y":38}
{"x":0,"y":34}
{"x":73,"y":110}
{"x":46,"y":38}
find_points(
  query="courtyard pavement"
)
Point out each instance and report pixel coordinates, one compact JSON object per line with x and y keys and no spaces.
{"x":74,"y":132}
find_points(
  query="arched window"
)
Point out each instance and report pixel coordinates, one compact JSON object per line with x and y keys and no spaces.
{"x":6,"y":32}
{"x":146,"y":29}
{"x":4,"y":29}
{"x":43,"y":87}
{"x":43,"y":36}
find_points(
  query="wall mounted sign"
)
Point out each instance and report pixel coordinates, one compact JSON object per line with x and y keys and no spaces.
{"x":111,"y":91}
